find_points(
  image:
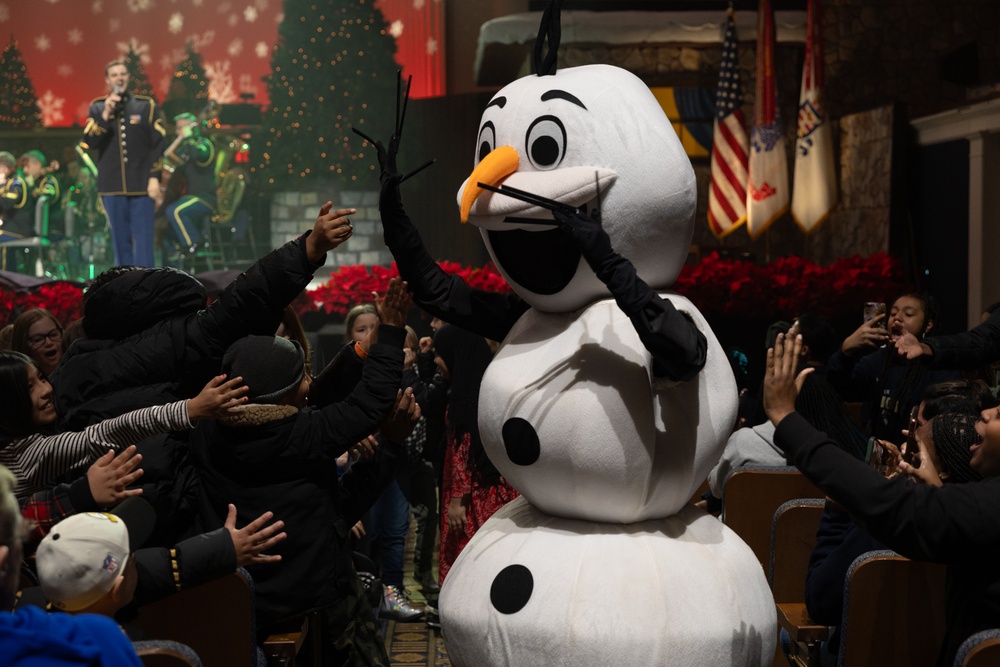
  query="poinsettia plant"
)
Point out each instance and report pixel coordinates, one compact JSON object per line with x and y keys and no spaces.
{"x":64,"y":300}
{"x":718,"y":286}
{"x":351,"y":285}
{"x":790,"y":285}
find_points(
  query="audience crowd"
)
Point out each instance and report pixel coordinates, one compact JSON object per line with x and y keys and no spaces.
{"x":164,"y":441}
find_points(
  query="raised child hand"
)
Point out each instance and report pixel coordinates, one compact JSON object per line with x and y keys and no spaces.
{"x":332,"y":228}
{"x":781,"y":382}
{"x":393,"y":307}
{"x":218,"y":398}
{"x":253,"y":539}
{"x":110,"y":476}
{"x":402,"y":419}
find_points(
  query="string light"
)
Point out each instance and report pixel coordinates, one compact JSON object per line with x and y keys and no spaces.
{"x":303,"y":100}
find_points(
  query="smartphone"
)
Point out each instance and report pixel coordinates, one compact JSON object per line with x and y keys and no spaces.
{"x":876,"y":456}
{"x":873,"y":309}
{"x":911,"y":447}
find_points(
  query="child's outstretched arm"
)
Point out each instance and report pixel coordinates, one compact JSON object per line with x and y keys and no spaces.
{"x":38,"y":461}
{"x":217,"y":398}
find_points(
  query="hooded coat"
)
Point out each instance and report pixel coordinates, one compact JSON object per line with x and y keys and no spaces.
{"x":280,"y":459}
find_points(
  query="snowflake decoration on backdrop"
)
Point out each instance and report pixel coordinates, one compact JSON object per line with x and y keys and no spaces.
{"x":196,"y":3}
{"x":261,"y":4}
{"x":51,"y":107}
{"x":42,"y":42}
{"x":114,"y":24}
{"x":223,"y":7}
{"x":250,"y":14}
{"x":141,"y":50}
{"x":262,"y":49}
{"x":97,"y":6}
{"x":233,"y":20}
{"x":220,"y":77}
{"x":432,"y":46}
{"x":4,"y":13}
{"x":199,"y":42}
{"x":418,"y":4}
{"x":236,"y":47}
{"x":396,"y":29}
{"x":75,"y":36}
{"x":176,"y":23}
{"x":136,"y":6}
{"x":64,"y":70}
{"x":166,"y":62}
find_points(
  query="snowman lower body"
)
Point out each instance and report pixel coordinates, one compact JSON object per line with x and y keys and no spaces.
{"x":531,"y":589}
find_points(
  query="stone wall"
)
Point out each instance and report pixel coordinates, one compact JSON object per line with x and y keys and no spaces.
{"x":292,"y":213}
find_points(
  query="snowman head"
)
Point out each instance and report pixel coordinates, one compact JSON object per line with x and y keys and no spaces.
{"x":582,"y":136}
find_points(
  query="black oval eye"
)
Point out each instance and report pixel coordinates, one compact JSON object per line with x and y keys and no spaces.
{"x":487,"y":140}
{"x":546,"y":142}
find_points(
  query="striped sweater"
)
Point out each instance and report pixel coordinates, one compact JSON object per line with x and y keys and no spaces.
{"x":38,"y":461}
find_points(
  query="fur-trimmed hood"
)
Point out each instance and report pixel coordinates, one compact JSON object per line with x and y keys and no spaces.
{"x":257,"y":415}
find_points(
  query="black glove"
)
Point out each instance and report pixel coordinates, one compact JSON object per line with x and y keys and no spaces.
{"x":629,"y":290}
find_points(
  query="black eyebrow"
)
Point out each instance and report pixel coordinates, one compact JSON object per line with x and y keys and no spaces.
{"x":562,"y":95}
{"x":498,"y":102}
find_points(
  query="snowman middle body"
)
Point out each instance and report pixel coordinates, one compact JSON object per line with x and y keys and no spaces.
{"x":571,"y":414}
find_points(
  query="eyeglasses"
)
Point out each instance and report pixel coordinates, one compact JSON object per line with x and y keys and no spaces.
{"x":39,"y":339}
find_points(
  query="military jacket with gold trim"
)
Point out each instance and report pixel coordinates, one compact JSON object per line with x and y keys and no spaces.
{"x":129,"y":146}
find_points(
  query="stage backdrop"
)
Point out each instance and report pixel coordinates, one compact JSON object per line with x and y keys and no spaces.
{"x":66,"y":43}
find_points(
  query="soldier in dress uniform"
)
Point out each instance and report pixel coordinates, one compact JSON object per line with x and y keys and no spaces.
{"x":195,"y":155}
{"x":127,"y":132}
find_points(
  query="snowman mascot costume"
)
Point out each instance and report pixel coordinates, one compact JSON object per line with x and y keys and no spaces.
{"x":609,"y":400}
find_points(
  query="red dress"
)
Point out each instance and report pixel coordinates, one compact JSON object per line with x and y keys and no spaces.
{"x":459,"y":480}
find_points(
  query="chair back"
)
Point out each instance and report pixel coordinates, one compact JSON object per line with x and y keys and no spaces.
{"x":793,"y":536}
{"x":750,"y":496}
{"x":165,"y":653}
{"x":894,"y":611}
{"x":980,"y":650}
{"x":215,"y":619}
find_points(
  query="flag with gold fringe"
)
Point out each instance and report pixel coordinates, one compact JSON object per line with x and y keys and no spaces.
{"x":814,"y":191}
{"x":767,"y":189}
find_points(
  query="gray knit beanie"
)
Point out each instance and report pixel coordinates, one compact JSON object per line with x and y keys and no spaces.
{"x":270,"y":366}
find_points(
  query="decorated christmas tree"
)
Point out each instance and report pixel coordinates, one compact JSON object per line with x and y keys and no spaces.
{"x":188,"y":87}
{"x":138,"y":81}
{"x":331,"y":70}
{"x":18,"y":104}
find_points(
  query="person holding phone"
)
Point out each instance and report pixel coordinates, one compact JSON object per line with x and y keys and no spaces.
{"x":957,"y":524}
{"x":868,"y":369}
{"x":127,"y":131}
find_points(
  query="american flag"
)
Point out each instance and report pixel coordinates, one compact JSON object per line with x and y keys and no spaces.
{"x":730,"y":147}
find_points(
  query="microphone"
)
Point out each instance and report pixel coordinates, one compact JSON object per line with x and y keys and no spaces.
{"x":118,"y":89}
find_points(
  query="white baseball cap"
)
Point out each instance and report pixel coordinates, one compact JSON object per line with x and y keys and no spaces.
{"x":83,"y":555}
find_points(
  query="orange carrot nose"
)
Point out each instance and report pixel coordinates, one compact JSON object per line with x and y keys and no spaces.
{"x":501,"y":162}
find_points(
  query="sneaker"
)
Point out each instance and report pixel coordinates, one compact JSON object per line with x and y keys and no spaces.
{"x":396,"y":606}
{"x":428,"y":584}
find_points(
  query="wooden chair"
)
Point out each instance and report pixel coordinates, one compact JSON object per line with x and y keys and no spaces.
{"x":215,"y":619}
{"x":166,"y":653}
{"x":980,"y":650}
{"x":894,"y":611}
{"x":750,"y":496}
{"x":793,"y":536}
